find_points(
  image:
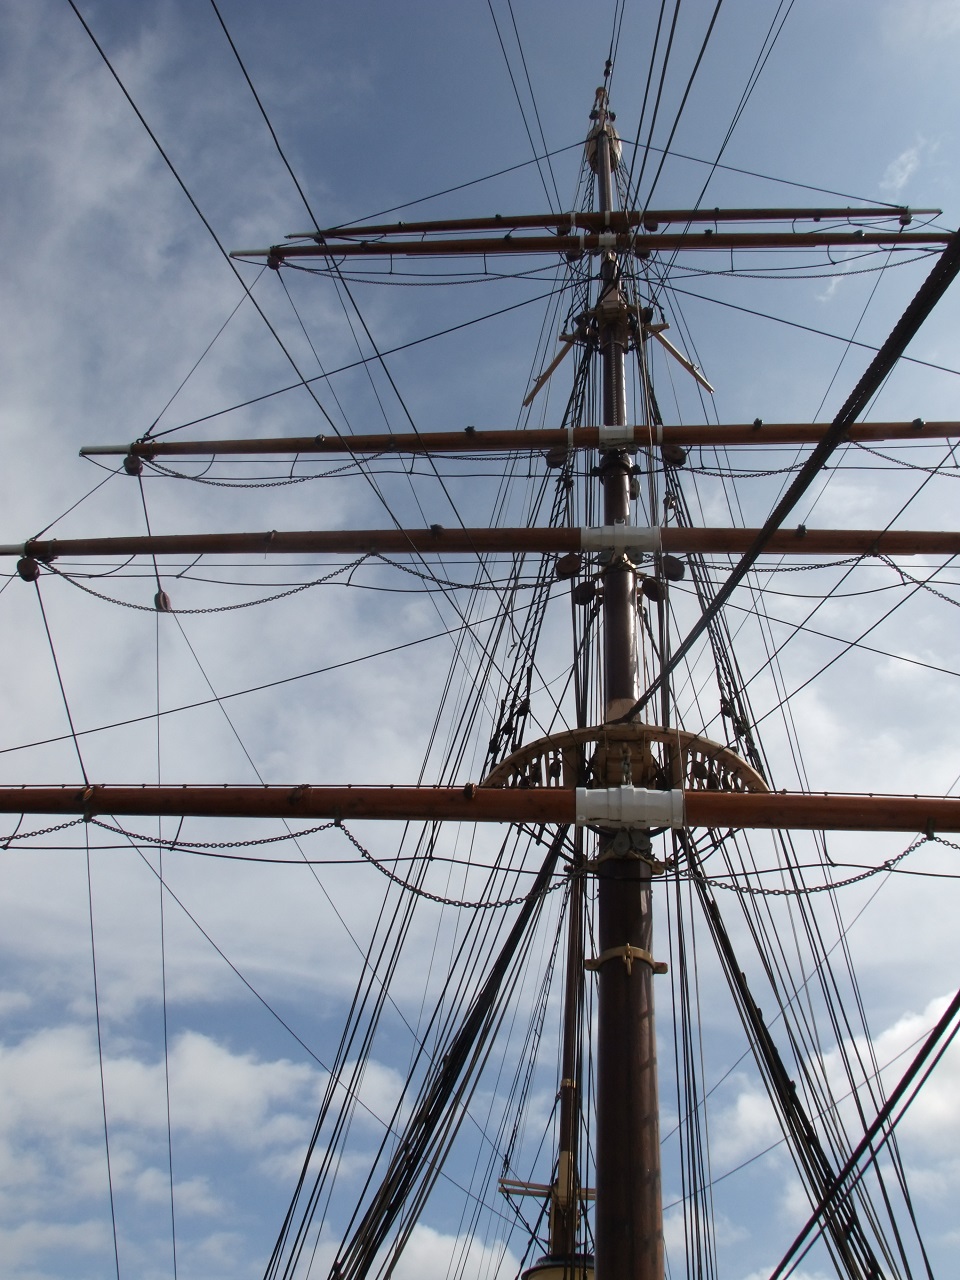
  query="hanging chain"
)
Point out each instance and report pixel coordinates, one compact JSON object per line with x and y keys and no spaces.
{"x":175,"y":845}
{"x":760,"y":892}
{"x":917,"y":582}
{"x":219,"y":608}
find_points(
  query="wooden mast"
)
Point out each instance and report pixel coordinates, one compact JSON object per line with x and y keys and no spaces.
{"x":628,"y":1217}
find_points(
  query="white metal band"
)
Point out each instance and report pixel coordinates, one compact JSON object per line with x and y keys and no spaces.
{"x":629,"y":437}
{"x":620,"y":537}
{"x":13,"y":549}
{"x":629,"y":807}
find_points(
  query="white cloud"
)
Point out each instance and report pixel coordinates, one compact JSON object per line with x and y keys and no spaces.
{"x":933,"y":1119}
{"x":745,"y":1127}
{"x":428,"y":1255}
{"x":902,"y":168}
{"x":51,"y":1085}
{"x":52,"y":1119}
{"x":764,"y":1274}
{"x":925,"y":24}
{"x":191,"y":1195}
{"x":29,"y":1242}
{"x":899,"y":171}
{"x":13,"y":1002}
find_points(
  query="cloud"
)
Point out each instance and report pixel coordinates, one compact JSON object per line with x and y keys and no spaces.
{"x":743,"y":1128}
{"x":25,"y":1244}
{"x":901,"y":169}
{"x":191,"y":1195}
{"x":51,"y":1125}
{"x":933,"y":1120}
{"x":252,"y":1112}
{"x":764,"y":1274}
{"x":50,"y":1081}
{"x":925,"y":24}
{"x":13,"y":1002}
{"x":428,"y":1255}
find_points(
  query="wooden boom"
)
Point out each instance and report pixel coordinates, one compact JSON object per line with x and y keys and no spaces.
{"x":797,"y":810}
{"x":472,"y":441}
{"x":639,"y":243}
{"x":616,"y":220}
{"x":440,"y":541}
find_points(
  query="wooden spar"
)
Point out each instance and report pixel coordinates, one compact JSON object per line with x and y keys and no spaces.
{"x":536,"y":441}
{"x":831,"y":542}
{"x":616,"y":219}
{"x":590,"y":242}
{"x":549,"y":370}
{"x":440,"y":541}
{"x":271,"y":542}
{"x":554,"y":805}
{"x":628,"y":1216}
{"x":678,"y":355}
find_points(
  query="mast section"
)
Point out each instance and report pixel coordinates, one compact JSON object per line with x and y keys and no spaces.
{"x":628,"y":1221}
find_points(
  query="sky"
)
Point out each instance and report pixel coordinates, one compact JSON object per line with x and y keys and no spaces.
{"x":226,"y":993}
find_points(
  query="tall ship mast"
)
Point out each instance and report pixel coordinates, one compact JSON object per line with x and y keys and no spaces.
{"x":578,"y":859}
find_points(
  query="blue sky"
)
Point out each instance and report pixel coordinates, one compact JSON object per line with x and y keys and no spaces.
{"x":114,"y":289}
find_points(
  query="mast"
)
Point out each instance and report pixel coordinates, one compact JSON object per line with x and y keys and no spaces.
{"x":628,"y":1223}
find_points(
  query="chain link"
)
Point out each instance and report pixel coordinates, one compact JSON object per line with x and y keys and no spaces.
{"x":917,"y":582}
{"x":167,"y":843}
{"x":443,"y":582}
{"x":952,"y":474}
{"x":759,"y":891}
{"x":800,"y":275}
{"x":436,"y":897}
{"x":352,"y":465}
{"x":730,"y":474}
{"x":711,"y":882}
{"x":218,"y":845}
{"x":41,"y":831}
{"x":219,"y":608}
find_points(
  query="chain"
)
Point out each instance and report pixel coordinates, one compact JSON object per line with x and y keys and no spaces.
{"x":219,"y":608}
{"x":41,"y":831}
{"x":800,"y":275}
{"x":952,"y":473}
{"x":711,"y":882}
{"x":760,"y":892}
{"x":254,"y":484}
{"x":804,"y":568}
{"x":730,"y":474}
{"x":209,"y":844}
{"x":917,"y":582}
{"x":217,"y":845}
{"x":440,"y":582}
{"x":282,"y":595}
{"x":436,"y":897}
